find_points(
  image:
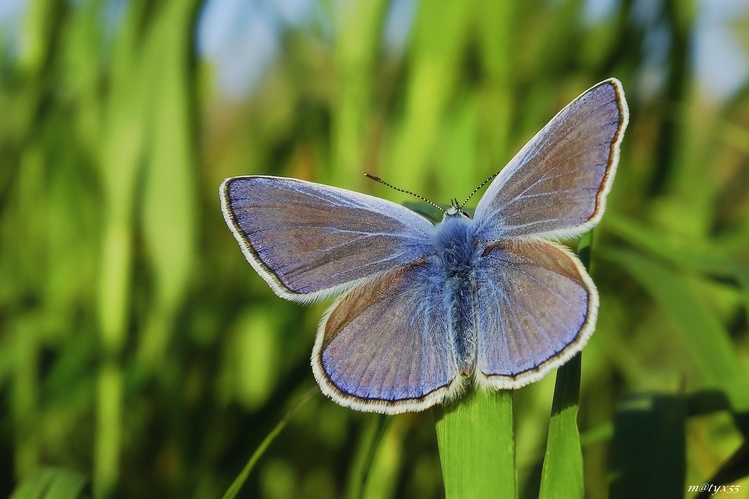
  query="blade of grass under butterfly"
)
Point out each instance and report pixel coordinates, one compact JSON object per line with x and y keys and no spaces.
{"x":364,"y":457}
{"x":384,"y":473}
{"x":562,"y":473}
{"x":238,"y":482}
{"x":476,"y":439}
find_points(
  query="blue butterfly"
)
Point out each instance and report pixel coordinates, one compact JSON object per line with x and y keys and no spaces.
{"x":425,"y":309}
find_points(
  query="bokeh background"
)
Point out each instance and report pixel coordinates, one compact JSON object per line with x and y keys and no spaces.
{"x":141,"y":354}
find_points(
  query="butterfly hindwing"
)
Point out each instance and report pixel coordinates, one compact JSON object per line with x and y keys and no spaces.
{"x":384,"y":346}
{"x":537,"y":308}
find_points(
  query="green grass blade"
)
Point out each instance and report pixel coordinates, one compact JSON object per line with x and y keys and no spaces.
{"x":384,"y":471}
{"x":438,"y":34}
{"x":701,"y":331}
{"x":121,"y":147}
{"x":562,"y":473}
{"x":476,"y":439}
{"x":360,"y":26}
{"x":690,"y":255}
{"x":53,"y":483}
{"x":365,"y":453}
{"x":649,"y":447}
{"x":168,"y":220}
{"x":735,"y":468}
{"x":238,"y":482}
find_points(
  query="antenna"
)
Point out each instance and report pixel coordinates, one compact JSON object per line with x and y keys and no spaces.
{"x":477,"y":189}
{"x":378,"y":179}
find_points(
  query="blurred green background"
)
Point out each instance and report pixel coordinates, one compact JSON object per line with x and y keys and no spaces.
{"x":140,"y":353}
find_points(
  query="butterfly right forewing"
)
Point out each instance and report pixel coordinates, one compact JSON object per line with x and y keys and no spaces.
{"x":556,"y":186}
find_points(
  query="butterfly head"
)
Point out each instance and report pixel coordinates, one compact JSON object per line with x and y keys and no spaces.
{"x":455,"y":210}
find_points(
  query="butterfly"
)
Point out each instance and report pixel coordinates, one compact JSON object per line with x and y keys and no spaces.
{"x":426,"y":309}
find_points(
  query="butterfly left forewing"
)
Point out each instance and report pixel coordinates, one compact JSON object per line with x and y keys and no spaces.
{"x":384,"y":347}
{"x":537,"y":308}
{"x":310,"y":240}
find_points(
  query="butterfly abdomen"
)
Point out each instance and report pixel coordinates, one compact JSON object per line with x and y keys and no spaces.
{"x":460,"y":300}
{"x":457,"y":257}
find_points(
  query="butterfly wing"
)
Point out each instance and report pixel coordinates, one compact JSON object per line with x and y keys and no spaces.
{"x":557,"y":184}
{"x":310,"y":240}
{"x":384,"y":347}
{"x":537,"y":308}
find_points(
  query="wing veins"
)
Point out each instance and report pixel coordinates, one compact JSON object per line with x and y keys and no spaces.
{"x":545,"y":177}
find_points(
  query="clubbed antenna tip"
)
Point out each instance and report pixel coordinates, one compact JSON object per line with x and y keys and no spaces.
{"x":378,"y":179}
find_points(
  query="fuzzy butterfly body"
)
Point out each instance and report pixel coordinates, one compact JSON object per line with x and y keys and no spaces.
{"x":425,"y":309}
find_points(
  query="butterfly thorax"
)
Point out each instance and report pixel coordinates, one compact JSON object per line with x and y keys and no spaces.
{"x":456,"y":245}
{"x":457,"y":255}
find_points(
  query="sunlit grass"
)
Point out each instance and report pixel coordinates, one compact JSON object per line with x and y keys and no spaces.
{"x":128,"y":315}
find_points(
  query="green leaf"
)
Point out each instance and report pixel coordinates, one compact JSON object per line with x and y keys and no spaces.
{"x":735,"y":468}
{"x":702,"y":332}
{"x":238,"y":482}
{"x":168,"y":220}
{"x":476,"y":439}
{"x":689,"y":255}
{"x":649,"y":447}
{"x":53,"y":483}
{"x":365,"y":454}
{"x":562,"y":473}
